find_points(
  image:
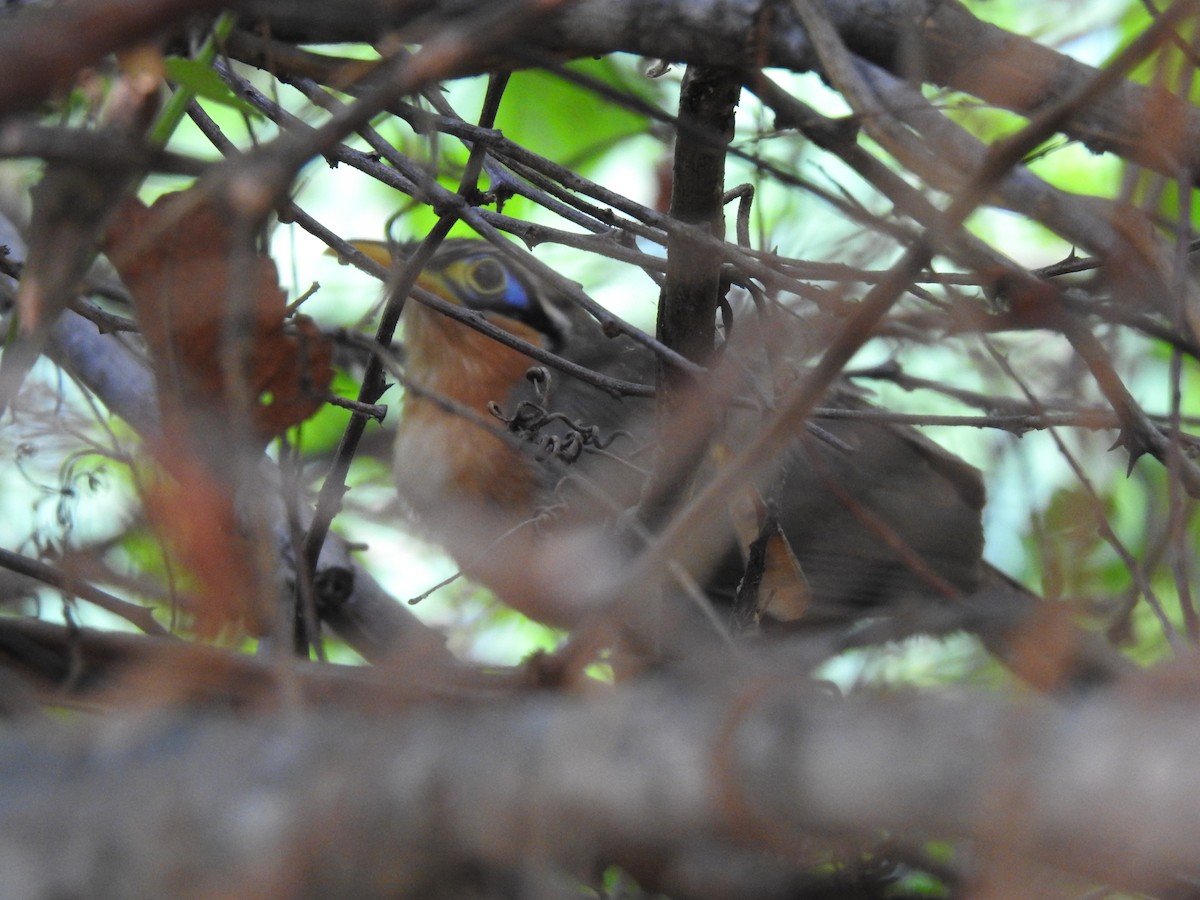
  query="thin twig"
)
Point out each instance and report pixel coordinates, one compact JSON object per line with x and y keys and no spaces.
{"x":136,"y":615}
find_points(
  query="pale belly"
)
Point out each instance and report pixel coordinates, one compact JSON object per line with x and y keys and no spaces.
{"x":447,"y":468}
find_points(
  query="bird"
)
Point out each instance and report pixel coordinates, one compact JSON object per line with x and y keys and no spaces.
{"x":464,"y":475}
{"x":876,"y":520}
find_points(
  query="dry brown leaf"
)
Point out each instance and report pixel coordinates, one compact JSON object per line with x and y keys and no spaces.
{"x":189,"y":274}
{"x":193,"y":512}
{"x":206,"y":304}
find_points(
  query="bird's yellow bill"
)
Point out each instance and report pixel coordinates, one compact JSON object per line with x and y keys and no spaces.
{"x":383,"y":253}
{"x":377,"y":251}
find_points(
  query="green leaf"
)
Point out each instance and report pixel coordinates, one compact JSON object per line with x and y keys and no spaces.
{"x":566,"y":122}
{"x":198,"y":79}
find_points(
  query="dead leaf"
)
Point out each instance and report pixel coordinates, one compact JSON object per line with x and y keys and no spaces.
{"x":232,"y":373}
{"x":193,"y":280}
{"x":783,"y":591}
{"x":193,"y":512}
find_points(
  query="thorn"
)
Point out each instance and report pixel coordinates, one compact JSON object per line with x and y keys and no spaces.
{"x":1134,"y":444}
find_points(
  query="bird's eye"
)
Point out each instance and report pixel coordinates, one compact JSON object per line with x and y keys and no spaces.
{"x":486,"y":277}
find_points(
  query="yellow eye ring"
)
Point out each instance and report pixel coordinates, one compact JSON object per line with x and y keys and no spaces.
{"x":486,"y":277}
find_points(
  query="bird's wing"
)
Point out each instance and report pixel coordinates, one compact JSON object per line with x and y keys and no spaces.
{"x":876,"y":515}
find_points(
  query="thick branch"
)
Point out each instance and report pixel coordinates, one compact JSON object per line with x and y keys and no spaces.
{"x":643,"y":777}
{"x":934,"y":41}
{"x":928,"y":40}
{"x":687,"y":313}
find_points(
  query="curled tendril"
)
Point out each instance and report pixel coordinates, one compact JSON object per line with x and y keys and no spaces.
{"x":530,"y":417}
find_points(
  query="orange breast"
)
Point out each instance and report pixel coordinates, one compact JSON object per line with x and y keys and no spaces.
{"x":443,"y":459}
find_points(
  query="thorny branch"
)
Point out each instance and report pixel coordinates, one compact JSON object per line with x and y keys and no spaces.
{"x":742,"y":754}
{"x":879,"y":100}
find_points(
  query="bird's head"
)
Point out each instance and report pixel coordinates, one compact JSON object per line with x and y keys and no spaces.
{"x":448,"y":357}
{"x":475,"y":275}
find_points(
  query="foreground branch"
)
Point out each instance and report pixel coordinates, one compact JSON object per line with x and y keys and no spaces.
{"x":646,"y":776}
{"x":933,"y":41}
